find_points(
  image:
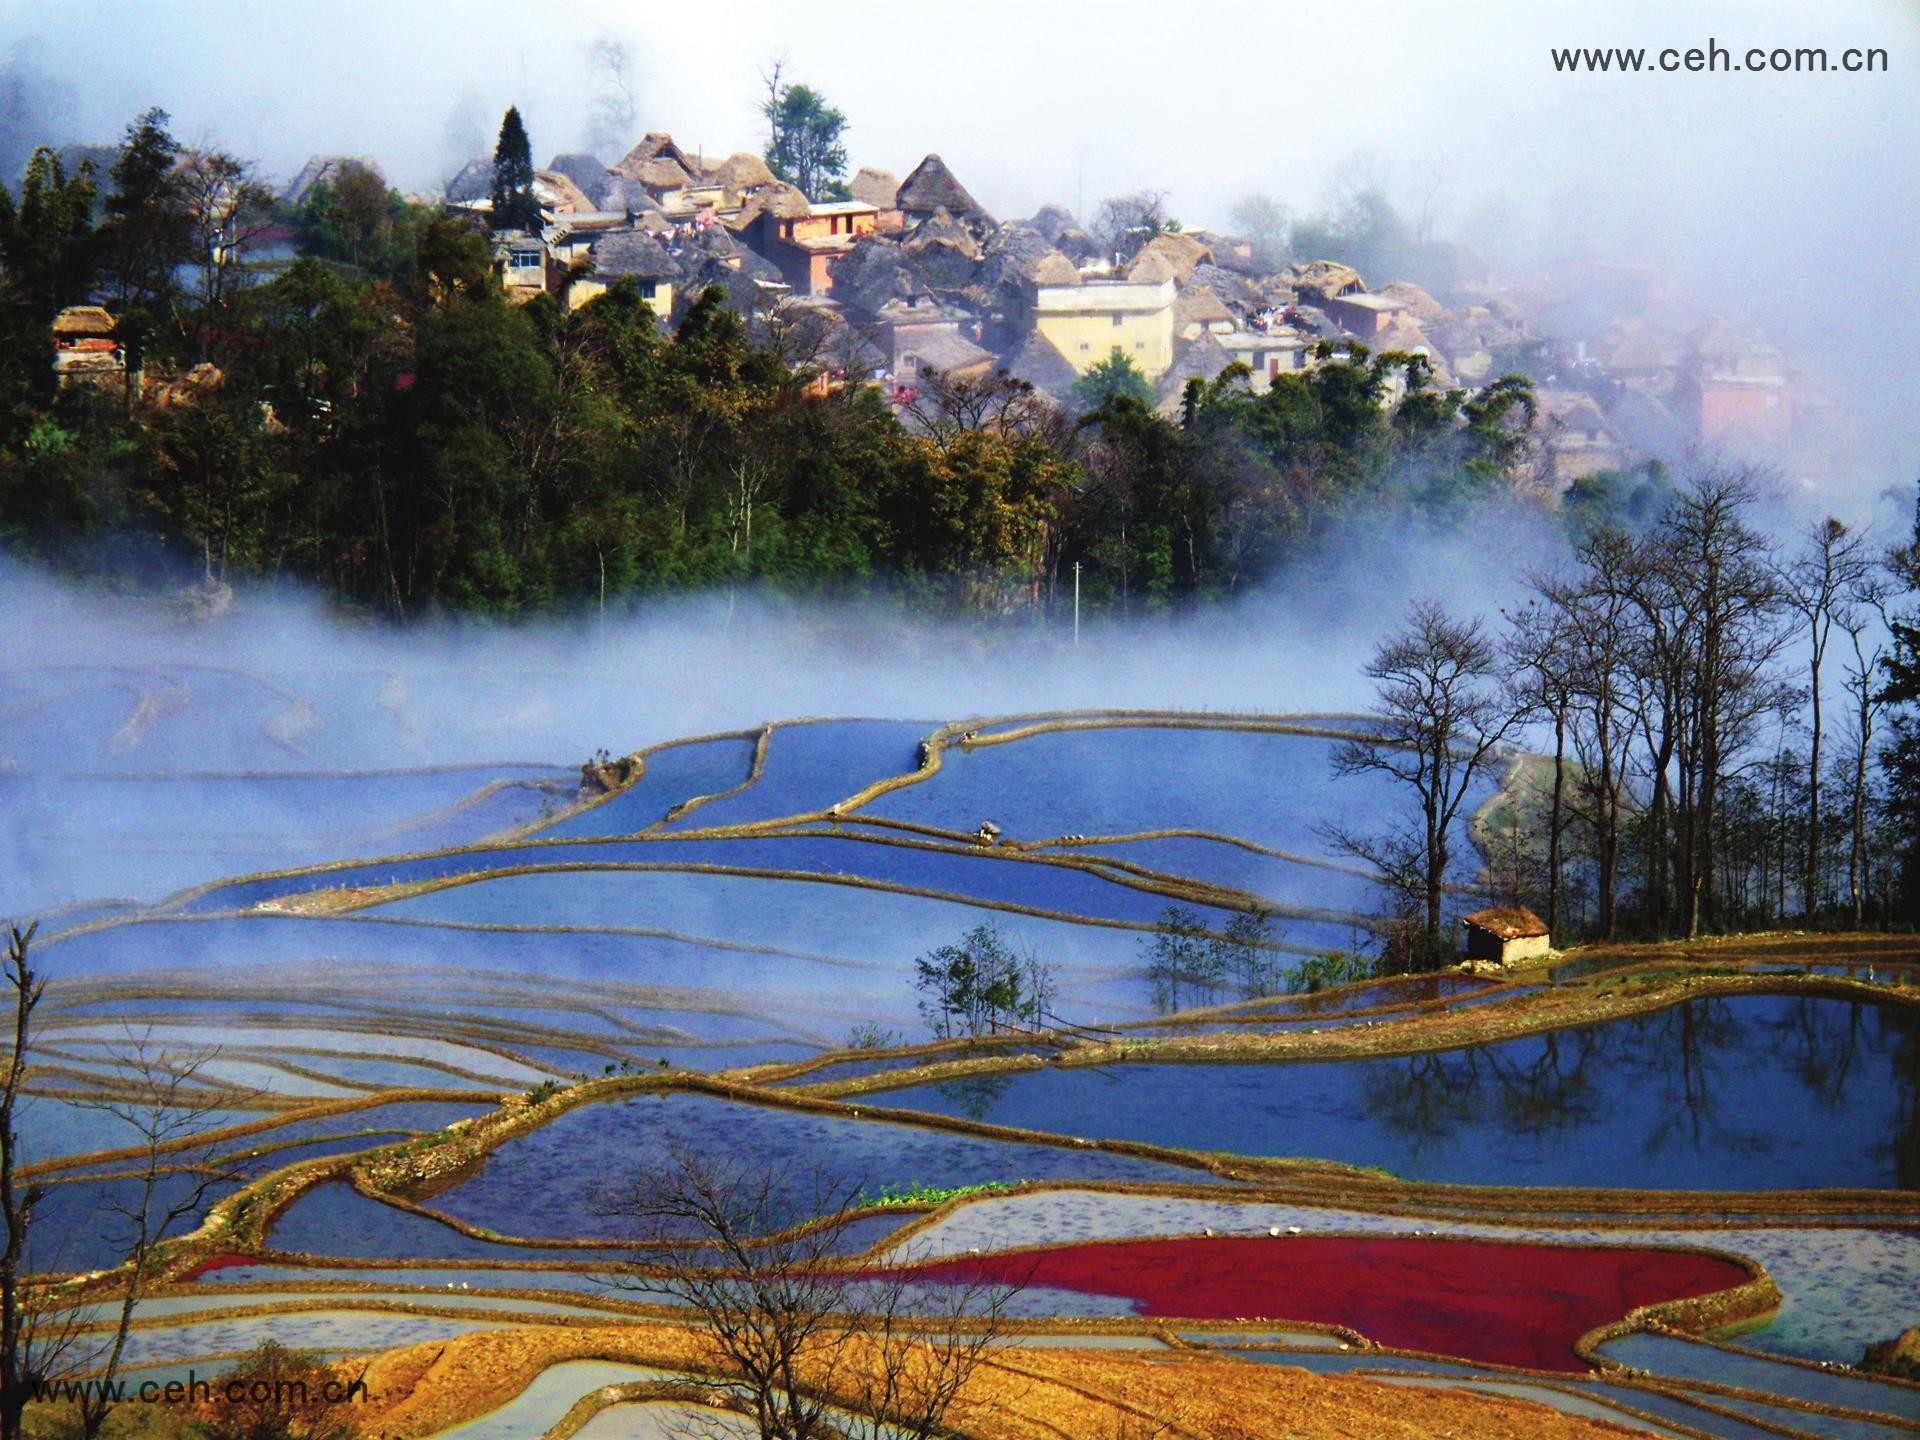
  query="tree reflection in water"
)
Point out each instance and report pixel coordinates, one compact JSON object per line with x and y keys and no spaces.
{"x":1902,"y":1028}
{"x":1703,"y":1073}
{"x":974,"y":1096}
{"x":1426,"y":1098}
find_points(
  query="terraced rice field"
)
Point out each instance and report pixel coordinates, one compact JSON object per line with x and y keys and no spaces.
{"x":387,"y":1037}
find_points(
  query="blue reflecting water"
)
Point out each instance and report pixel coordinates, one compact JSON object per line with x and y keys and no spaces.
{"x":1272,"y":788}
{"x":546,"y":1184}
{"x":675,"y":774}
{"x":1748,"y":1093}
{"x":810,"y":767}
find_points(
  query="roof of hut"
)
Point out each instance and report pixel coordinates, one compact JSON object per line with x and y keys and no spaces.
{"x":944,"y":350}
{"x":1201,"y":358}
{"x":1638,"y":349}
{"x":1318,"y":281}
{"x":1508,"y":922}
{"x":1181,"y":253}
{"x":1231,"y":287}
{"x":742,"y":170}
{"x":874,"y":187}
{"x":589,"y":172}
{"x":1053,"y":268}
{"x":654,"y":145}
{"x":940,"y":228}
{"x":474,"y":180}
{"x":931,"y":187}
{"x":79,"y":321}
{"x":1194,"y":305}
{"x":1053,"y":221}
{"x":632,"y":252}
{"x":1422,"y":306}
{"x":558,"y":193}
{"x":1037,"y":362}
{"x":1077,"y":245}
{"x":1150,"y":268}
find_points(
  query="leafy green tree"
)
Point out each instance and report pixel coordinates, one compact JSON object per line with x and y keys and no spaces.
{"x":982,"y":985}
{"x":1262,"y":220}
{"x":1364,"y":230}
{"x":47,"y":247}
{"x":354,"y":218}
{"x":514,"y":205}
{"x":1182,"y":967}
{"x":147,"y":234}
{"x":1107,"y":379}
{"x":804,"y":133}
{"x":1246,"y":956}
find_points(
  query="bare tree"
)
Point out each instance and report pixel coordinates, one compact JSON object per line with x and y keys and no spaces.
{"x":18,"y":1370}
{"x":1720,"y":575}
{"x":810,"y":1346}
{"x":610,"y":112}
{"x":1862,"y":617}
{"x":1539,"y":655}
{"x":1124,"y":224}
{"x":1606,"y":647}
{"x":1817,"y":582}
{"x":227,"y":209}
{"x":166,"y":1105}
{"x":1440,"y":716}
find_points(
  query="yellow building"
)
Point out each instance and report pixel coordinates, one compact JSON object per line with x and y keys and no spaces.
{"x":627,"y":254}
{"x":1087,"y":322}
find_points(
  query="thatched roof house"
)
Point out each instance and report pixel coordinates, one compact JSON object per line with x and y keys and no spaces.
{"x":1197,"y":311}
{"x":1420,"y":305}
{"x":873,"y":273}
{"x":1505,"y":933}
{"x":473,"y":182}
{"x":1318,"y":281}
{"x":943,"y":243}
{"x":1078,"y":246}
{"x":931,"y":187}
{"x":875,"y":187}
{"x":1043,"y":367}
{"x":946,"y":351}
{"x":83,"y":322}
{"x":588,"y":172}
{"x":741,"y":171}
{"x":633,"y":253}
{"x":557,"y":193}
{"x":1053,"y":221}
{"x":657,"y":163}
{"x":1200,"y":359}
{"x":1180,"y":252}
{"x":1150,"y":267}
{"x":1052,"y":268}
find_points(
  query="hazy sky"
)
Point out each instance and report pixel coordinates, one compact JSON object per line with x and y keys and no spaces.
{"x":1785,"y":195}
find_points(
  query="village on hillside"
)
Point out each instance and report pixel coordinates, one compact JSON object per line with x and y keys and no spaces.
{"x":914,"y":275}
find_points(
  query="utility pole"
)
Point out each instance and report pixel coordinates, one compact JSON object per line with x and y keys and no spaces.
{"x":1076,"y":603}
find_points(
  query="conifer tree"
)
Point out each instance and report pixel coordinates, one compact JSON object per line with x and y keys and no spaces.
{"x":514,"y":205}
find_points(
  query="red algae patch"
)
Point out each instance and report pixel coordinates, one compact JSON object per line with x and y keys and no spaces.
{"x":1502,"y":1304}
{"x":226,"y":1260}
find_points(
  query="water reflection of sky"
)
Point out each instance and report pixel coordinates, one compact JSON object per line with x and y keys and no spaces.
{"x":1752,"y":1092}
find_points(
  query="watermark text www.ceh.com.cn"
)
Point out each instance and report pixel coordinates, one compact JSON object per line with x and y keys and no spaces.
{"x":1717,"y":59}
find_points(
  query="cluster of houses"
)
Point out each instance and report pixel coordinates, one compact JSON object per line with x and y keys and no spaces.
{"x":914,"y":275}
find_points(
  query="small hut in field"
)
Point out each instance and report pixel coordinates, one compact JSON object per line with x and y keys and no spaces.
{"x":1506,"y":933}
